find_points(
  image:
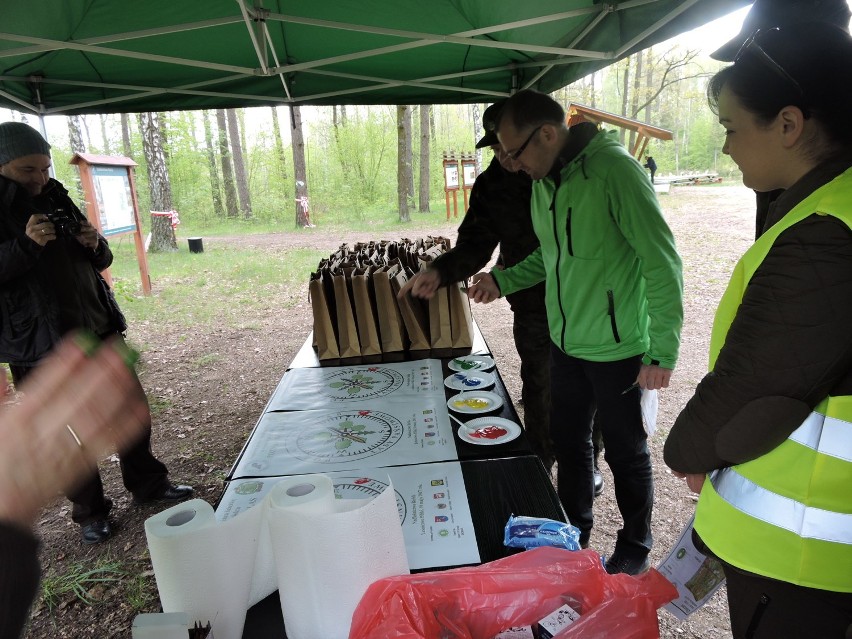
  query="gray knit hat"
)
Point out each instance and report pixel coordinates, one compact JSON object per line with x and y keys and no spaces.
{"x":18,"y":139}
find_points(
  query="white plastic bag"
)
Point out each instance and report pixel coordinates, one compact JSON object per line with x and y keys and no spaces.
{"x":650,"y":404}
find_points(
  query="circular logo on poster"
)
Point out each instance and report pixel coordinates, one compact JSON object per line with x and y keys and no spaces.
{"x":347,"y":436}
{"x":363,"y":383}
{"x":366,"y":488}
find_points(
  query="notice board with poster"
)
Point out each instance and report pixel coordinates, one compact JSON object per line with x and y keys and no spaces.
{"x":111,"y":204}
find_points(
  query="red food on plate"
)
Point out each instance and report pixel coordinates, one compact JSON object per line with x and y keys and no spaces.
{"x":489,"y":432}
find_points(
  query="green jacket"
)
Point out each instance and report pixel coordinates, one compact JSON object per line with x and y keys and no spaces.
{"x":612,"y":274}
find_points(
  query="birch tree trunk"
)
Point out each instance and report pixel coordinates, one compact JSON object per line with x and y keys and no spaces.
{"x":403,"y":171}
{"x":625,"y":89}
{"x":279,"y":145}
{"x":231,"y":206}
{"x":212,"y":169}
{"x":159,"y":187}
{"x":425,"y":174}
{"x":75,"y":134}
{"x":125,"y":135}
{"x":300,"y":172}
{"x":239,"y":164}
{"x":104,"y":135}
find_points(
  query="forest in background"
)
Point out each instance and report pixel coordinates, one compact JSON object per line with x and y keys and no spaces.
{"x":356,"y":163}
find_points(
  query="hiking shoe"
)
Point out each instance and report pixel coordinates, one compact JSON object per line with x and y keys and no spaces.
{"x":599,"y":481}
{"x":96,"y":532}
{"x":169,"y":493}
{"x":621,"y":563}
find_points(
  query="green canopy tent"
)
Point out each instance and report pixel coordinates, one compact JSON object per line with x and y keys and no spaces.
{"x":108,"y":56}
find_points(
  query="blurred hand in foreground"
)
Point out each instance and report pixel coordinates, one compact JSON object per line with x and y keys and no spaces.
{"x":81,"y":404}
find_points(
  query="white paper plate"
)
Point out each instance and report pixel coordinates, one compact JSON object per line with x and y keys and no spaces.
{"x":469,"y":381}
{"x":475,"y":402}
{"x":489,"y":431}
{"x":470,"y":363}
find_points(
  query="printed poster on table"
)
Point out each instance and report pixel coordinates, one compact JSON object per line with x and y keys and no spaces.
{"x":307,"y":388}
{"x":367,"y":435}
{"x":431,"y":501}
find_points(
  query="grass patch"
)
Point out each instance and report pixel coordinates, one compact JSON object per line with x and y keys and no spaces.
{"x":185,"y":285}
{"x":78,"y":580}
{"x":138,"y":593}
{"x":158,"y":404}
{"x":206,"y":360}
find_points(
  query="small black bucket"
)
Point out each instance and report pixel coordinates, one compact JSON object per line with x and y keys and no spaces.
{"x":196,"y":244}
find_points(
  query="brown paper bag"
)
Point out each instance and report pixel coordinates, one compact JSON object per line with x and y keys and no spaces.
{"x":347,"y":332}
{"x":325,"y":339}
{"x":414,"y":315}
{"x":364,"y":297}
{"x":440,"y":328}
{"x":461,"y":322}
{"x":391,"y":327}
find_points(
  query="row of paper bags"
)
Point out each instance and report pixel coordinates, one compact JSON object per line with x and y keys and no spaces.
{"x":357,"y":316}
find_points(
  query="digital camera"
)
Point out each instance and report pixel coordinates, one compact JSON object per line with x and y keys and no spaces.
{"x":64,"y":223}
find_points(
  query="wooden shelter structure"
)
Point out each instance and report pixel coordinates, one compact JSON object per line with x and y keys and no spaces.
{"x":580,"y":113}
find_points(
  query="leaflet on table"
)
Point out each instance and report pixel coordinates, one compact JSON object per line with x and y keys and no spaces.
{"x":695,"y":575}
{"x":381,"y":432}
{"x":431,"y":500}
{"x":306,"y":388}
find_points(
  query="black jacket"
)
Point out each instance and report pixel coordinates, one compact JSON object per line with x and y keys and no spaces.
{"x":789,"y":346}
{"x":498,"y":213}
{"x":29,"y":314}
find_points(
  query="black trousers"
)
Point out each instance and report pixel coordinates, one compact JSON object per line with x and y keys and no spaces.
{"x":532,"y":341}
{"x":143,"y":474}
{"x":763,"y":608}
{"x":578,"y":387}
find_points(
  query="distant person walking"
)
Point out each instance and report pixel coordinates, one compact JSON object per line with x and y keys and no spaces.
{"x":651,"y":166}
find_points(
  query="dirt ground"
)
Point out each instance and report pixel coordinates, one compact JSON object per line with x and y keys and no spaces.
{"x":204,"y":414}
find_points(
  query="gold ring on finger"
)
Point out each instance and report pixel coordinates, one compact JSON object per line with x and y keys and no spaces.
{"x":74,"y":435}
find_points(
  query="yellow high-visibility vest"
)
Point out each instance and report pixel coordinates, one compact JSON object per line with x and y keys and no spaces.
{"x":787,"y":515}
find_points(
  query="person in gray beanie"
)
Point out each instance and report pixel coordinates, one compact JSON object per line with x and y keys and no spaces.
{"x":51,"y":258}
{"x":18,"y":140}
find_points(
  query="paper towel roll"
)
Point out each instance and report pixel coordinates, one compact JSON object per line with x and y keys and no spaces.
{"x":202,"y":567}
{"x":327,"y":552}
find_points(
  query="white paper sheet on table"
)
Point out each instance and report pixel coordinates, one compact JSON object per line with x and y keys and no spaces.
{"x":431,"y":501}
{"x":309,"y":388}
{"x":382,"y":432}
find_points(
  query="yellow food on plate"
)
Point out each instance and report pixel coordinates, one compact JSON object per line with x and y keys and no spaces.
{"x":471,"y":402}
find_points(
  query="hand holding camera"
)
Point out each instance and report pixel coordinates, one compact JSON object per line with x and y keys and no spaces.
{"x":43,"y":228}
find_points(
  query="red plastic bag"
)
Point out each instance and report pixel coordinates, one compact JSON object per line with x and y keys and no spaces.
{"x":479,"y":602}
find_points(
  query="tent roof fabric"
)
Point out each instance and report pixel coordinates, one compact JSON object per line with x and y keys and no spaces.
{"x":109,"y":56}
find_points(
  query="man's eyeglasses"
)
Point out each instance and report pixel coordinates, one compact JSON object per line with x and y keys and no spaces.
{"x":752,"y":45}
{"x":517,"y":154}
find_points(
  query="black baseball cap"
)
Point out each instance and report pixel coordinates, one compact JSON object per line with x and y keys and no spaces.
{"x":765,"y":14}
{"x":489,"y":122}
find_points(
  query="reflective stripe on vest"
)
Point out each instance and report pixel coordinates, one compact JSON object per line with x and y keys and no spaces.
{"x":780,"y":511}
{"x":826,"y":435}
{"x":787,"y":515}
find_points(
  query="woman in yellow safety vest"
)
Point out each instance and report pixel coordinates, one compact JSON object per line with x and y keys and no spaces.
{"x":767,"y":437}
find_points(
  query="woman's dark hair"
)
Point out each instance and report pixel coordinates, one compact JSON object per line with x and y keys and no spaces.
{"x":808,"y":66}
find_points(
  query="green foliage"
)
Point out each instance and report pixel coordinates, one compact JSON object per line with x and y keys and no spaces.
{"x":77,"y":581}
{"x":138,"y":591}
{"x":352,"y":165}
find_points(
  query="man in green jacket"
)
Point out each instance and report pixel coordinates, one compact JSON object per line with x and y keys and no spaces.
{"x":613,"y":290}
